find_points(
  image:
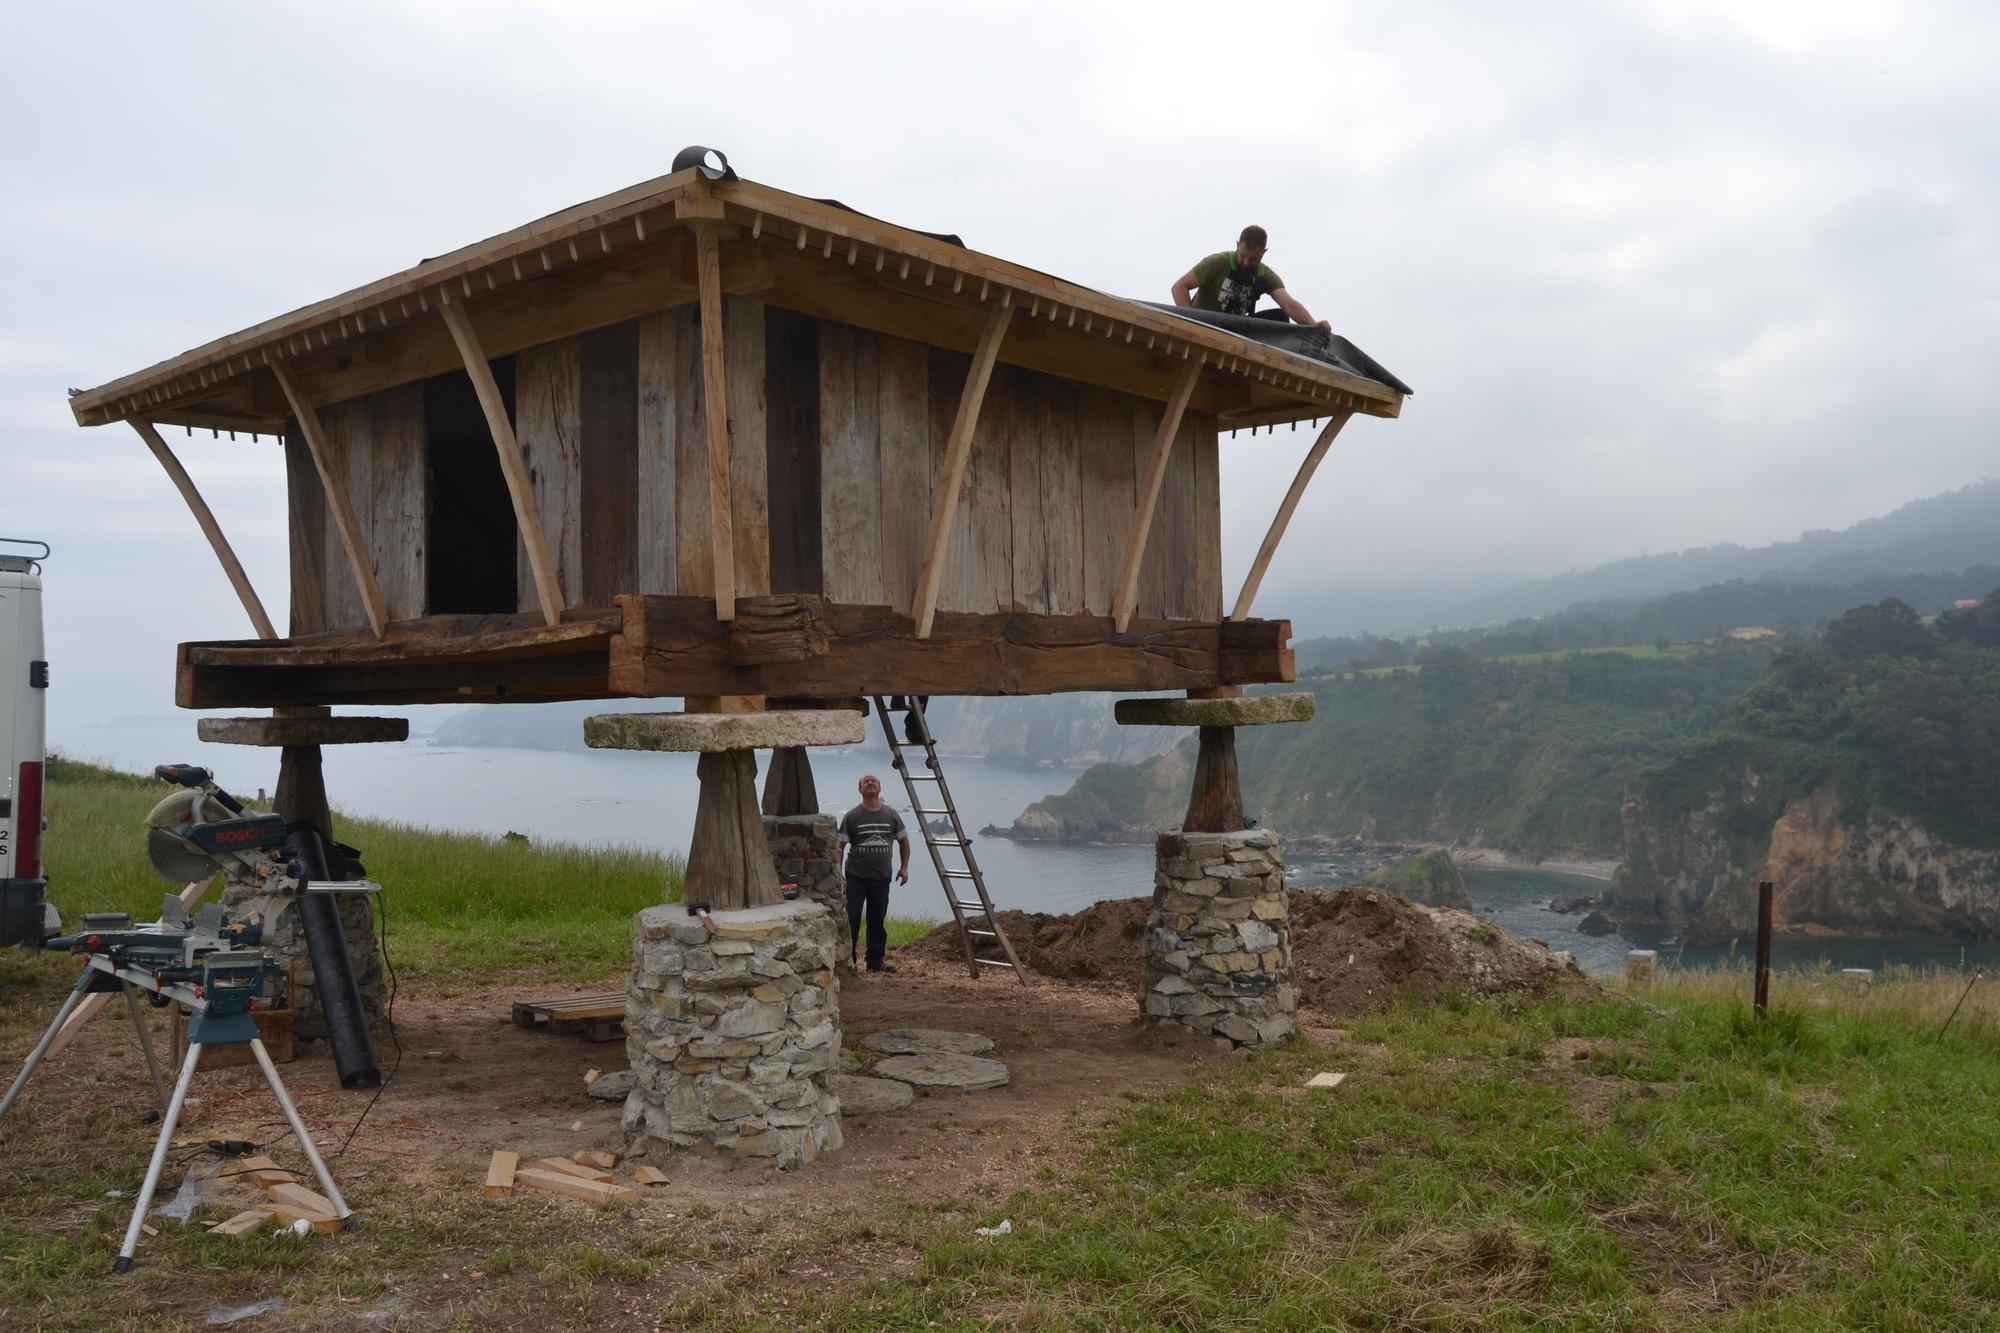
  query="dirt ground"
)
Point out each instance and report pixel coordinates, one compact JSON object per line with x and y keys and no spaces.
{"x":434,"y":1251}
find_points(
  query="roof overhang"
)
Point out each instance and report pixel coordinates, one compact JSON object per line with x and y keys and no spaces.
{"x":632,"y":252}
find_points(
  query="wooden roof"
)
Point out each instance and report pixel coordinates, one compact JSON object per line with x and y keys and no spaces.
{"x":631,"y":252}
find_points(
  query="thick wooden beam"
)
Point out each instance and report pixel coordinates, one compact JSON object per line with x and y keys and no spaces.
{"x":1284,"y":514}
{"x":1149,"y":495}
{"x":209,"y":528}
{"x":958,"y":447}
{"x":658,"y":646}
{"x":336,"y":497}
{"x":527,"y":510}
{"x":715,"y":416}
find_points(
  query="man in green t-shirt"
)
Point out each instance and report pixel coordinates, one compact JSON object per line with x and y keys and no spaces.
{"x":1232,"y":281}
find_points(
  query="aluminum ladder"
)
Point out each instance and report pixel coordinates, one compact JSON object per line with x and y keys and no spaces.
{"x":977,"y":925}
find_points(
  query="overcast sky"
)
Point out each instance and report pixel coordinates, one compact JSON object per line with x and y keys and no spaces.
{"x":1663,"y":273}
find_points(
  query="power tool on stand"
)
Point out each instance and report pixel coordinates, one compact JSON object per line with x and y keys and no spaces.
{"x":201,"y":830}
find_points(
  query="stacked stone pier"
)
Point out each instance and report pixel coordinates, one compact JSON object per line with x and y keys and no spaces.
{"x":1218,"y":946}
{"x":732,"y":1016}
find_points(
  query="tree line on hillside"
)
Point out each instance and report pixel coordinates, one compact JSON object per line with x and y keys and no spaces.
{"x":1904,"y":715}
{"x":1702,"y":614}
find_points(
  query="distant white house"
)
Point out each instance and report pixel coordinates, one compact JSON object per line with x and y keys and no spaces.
{"x":1966,"y":603}
{"x":1754,"y":632}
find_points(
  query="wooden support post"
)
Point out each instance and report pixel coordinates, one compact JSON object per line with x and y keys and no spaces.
{"x":1763,"y":947}
{"x":1149,"y":495}
{"x":958,"y":447}
{"x":527,"y":510}
{"x":729,"y":859}
{"x":209,"y":528}
{"x":336,"y":496}
{"x":1284,"y":515}
{"x":789,"y":788}
{"x":715,"y":413}
{"x":1216,"y":805}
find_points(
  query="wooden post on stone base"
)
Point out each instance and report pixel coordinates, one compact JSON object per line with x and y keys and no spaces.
{"x":1215,"y":805}
{"x":729,"y":862}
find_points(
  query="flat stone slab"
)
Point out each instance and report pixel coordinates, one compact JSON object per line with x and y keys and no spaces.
{"x":714,"y":733}
{"x":1252,"y":710}
{"x":941,"y":1071}
{"x":301,"y":730}
{"x":926,"y":1041}
{"x":861,"y":1095}
{"x":613,"y":1087}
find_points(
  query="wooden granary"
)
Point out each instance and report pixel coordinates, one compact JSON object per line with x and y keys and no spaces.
{"x":703,"y":437}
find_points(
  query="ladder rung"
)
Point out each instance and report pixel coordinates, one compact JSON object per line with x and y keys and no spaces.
{"x":950,"y":842}
{"x":920,"y":777}
{"x":993,"y":962}
{"x":982,"y":932}
{"x":922,"y":811}
{"x":961,"y":874}
{"x":968,"y":907}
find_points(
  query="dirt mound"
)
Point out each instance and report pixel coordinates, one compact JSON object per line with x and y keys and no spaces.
{"x":1354,"y":950}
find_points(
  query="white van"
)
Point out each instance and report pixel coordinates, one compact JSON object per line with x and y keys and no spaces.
{"x":24,"y":682}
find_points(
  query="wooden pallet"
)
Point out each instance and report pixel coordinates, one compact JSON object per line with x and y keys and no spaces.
{"x":593,"y":1017}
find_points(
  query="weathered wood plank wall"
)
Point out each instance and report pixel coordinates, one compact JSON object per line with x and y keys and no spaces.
{"x":836,"y":436}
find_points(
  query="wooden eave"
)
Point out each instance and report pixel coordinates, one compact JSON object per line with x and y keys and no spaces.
{"x":631,"y":252}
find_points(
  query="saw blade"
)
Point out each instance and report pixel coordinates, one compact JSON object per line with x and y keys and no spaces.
{"x":176,"y":861}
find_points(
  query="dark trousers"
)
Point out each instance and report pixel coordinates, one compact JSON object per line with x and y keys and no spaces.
{"x":872,"y":894}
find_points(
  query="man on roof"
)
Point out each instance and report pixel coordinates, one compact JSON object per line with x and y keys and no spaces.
{"x":1232,"y":281}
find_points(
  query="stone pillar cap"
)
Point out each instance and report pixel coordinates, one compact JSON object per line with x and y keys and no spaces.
{"x":714,"y":733}
{"x":1251,"y":710}
{"x":301,"y":730}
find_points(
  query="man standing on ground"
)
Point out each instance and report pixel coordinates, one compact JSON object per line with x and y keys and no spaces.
{"x":1231,"y":281}
{"x":866,"y":835}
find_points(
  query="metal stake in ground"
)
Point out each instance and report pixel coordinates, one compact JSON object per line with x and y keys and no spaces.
{"x":1763,"y":947}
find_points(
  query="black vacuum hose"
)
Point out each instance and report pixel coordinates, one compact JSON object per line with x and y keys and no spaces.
{"x":333,"y":967}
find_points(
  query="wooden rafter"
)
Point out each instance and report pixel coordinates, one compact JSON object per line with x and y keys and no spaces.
{"x":209,"y":528}
{"x":715,"y":414}
{"x":958,"y":447}
{"x":336,"y":496}
{"x":1149,"y":497}
{"x":1284,"y":514}
{"x":527,"y":510}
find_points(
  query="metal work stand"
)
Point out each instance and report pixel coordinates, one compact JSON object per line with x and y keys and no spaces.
{"x":221,"y":1030}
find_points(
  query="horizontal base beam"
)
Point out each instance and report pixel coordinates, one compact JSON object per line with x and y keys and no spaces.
{"x":652,"y":647}
{"x":301,"y":730}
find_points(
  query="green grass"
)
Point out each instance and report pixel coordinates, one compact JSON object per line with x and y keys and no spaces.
{"x":463,"y":908}
{"x":1584,"y":1163}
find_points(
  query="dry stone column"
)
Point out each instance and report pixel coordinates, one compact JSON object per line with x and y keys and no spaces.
{"x":1218,"y":946}
{"x":732,"y":1017}
{"x":301,"y":798}
{"x":804,"y":843}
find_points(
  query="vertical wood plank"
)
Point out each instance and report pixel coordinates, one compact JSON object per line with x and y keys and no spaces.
{"x":305,"y":504}
{"x":1166,"y":575}
{"x":344,"y":427}
{"x":657,"y":538}
{"x":694,"y":574}
{"x":1207,"y":517}
{"x":1028,"y":519}
{"x":608,"y":478}
{"x":398,"y":507}
{"x":1056,"y":407}
{"x":850,"y":439}
{"x":715,"y":417}
{"x":909,"y":465}
{"x":1151,"y":473}
{"x":749,"y":480}
{"x":547,"y":380}
{"x":1109,"y":493}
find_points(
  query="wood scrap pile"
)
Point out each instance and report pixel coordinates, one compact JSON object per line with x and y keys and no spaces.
{"x":587,"y":1177}
{"x":288,"y":1201}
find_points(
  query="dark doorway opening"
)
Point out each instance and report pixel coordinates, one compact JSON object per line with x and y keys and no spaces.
{"x":474,"y":540}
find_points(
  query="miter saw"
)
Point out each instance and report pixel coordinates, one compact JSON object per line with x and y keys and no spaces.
{"x":201,"y":830}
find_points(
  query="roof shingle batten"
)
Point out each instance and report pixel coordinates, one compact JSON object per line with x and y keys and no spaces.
{"x":218,"y":396}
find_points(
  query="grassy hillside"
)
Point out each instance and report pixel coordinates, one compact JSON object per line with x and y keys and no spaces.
{"x":1530,"y":755}
{"x":460,"y":905}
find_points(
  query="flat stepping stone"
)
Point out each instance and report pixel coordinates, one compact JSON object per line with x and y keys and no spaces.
{"x":613,"y":1087}
{"x":861,"y":1095}
{"x":941,"y":1071}
{"x":926,"y":1041}
{"x":1252,"y":710}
